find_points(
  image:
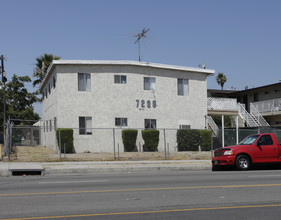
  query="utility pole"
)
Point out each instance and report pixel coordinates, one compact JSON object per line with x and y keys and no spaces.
{"x":139,"y":37}
{"x":4,"y":79}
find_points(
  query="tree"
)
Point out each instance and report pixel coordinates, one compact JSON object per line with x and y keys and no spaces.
{"x":221,"y":79}
{"x":42,"y":64}
{"x":18,"y":100}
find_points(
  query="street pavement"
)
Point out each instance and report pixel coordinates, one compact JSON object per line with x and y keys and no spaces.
{"x":58,"y":168}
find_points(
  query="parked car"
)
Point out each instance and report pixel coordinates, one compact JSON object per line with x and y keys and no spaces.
{"x":258,"y":148}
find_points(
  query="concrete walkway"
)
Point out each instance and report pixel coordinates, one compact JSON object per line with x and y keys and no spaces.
{"x":58,"y":168}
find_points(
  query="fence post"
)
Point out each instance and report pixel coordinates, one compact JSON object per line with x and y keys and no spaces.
{"x":114,"y":143}
{"x":118,"y":151}
{"x":10,"y":135}
{"x":237,"y":127}
{"x":165,"y":145}
{"x":64,"y":150}
{"x":30,"y":137}
{"x":212,"y":145}
{"x":59,"y":143}
{"x":168,"y":146}
{"x":6,"y":141}
{"x":222,"y":129}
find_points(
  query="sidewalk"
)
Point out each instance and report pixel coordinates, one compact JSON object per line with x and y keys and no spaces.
{"x":58,"y":168}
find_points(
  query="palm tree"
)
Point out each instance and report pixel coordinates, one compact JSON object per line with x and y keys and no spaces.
{"x":221,"y":79}
{"x":42,"y":64}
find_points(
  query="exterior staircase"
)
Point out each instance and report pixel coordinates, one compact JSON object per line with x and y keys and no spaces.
{"x":253,"y":119}
{"x":213,"y":125}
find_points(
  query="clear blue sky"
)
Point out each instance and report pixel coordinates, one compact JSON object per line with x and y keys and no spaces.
{"x":240,"y":38}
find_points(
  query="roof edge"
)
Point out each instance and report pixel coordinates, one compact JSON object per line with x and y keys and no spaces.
{"x":208,"y":72}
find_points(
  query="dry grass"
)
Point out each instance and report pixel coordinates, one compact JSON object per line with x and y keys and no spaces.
{"x":43,"y":154}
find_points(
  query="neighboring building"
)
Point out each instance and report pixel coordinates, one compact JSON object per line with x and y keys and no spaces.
{"x":264,"y":100}
{"x":94,"y":96}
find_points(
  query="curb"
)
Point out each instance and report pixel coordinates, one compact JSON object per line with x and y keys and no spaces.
{"x":58,"y":171}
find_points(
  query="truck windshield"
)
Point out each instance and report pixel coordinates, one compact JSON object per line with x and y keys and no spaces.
{"x":249,"y":140}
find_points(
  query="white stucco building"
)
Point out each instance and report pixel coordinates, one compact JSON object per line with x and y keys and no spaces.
{"x":94,"y":96}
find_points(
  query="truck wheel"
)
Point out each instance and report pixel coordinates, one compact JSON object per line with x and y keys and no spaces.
{"x":243,"y":162}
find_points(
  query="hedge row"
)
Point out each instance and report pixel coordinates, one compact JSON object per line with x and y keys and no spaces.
{"x":66,"y":136}
{"x":190,"y":140}
{"x":150,"y":137}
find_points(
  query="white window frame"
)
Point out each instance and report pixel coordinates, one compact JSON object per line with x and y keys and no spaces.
{"x":183,"y":87}
{"x":85,"y":127}
{"x":120,"y":79}
{"x":84,"y":82}
{"x":121,"y":122}
{"x":149,"y":83}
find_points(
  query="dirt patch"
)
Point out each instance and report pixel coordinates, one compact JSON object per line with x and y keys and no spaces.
{"x":43,"y":154}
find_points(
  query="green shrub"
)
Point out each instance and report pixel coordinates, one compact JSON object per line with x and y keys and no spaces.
{"x":206,"y":136}
{"x":188,"y":140}
{"x":151,"y":139}
{"x":129,"y":137}
{"x":67,"y":139}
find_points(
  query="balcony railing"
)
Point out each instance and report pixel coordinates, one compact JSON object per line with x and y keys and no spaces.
{"x":273,"y":105}
{"x":222,"y":104}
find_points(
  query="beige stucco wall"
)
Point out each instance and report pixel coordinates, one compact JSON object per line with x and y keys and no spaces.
{"x":107,"y":100}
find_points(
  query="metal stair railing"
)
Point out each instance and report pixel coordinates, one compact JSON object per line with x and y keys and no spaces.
{"x":213,"y":125}
{"x":255,"y":113}
{"x":250,"y":121}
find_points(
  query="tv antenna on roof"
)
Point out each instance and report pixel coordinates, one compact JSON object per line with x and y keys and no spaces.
{"x":139,"y":37}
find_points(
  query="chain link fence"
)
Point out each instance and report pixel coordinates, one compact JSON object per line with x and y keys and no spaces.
{"x":110,"y":139}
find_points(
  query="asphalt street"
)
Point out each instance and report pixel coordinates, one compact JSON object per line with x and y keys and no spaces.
{"x":231,"y":194}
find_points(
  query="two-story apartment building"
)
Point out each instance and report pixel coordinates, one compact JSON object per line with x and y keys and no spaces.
{"x":264,"y":100}
{"x":94,"y":96}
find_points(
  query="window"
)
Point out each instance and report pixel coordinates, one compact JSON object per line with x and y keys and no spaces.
{"x":183,"y":87}
{"x":149,"y":83}
{"x":184,"y":126}
{"x":121,"y":122}
{"x":265,"y":140}
{"x":46,"y":93}
{"x":54,"y":81}
{"x":47,"y":126}
{"x":55,"y":123}
{"x":121,"y":79}
{"x":50,"y":125}
{"x":84,"y":82}
{"x":44,"y":126}
{"x":49,"y":88}
{"x":256,"y":97}
{"x":43,"y":95}
{"x":85,"y":125}
{"x":150,"y":123}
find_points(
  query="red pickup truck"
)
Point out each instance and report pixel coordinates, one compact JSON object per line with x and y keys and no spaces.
{"x":257,"y":148}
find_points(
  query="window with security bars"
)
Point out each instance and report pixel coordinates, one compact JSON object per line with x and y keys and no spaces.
{"x":120,"y":79}
{"x":121,"y":122}
{"x":85,"y":125}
